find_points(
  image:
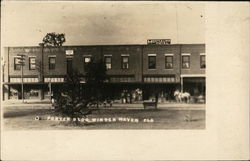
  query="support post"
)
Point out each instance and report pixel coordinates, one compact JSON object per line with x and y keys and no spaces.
{"x":22,"y":84}
{"x":181,"y":84}
{"x":50,"y":91}
{"x":22,"y":62}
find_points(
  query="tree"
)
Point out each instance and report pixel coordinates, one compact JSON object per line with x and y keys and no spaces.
{"x":70,"y":100}
{"x":54,"y":39}
{"x":95,"y":81}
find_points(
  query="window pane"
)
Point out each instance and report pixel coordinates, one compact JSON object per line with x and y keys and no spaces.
{"x":169,"y":58}
{"x":52,"y":63}
{"x":185,"y":62}
{"x":87,"y":60}
{"x":152,"y":62}
{"x":32,"y":64}
{"x":125,"y":59}
{"x":108,"y":60}
{"x":108,"y":66}
{"x":32,"y":60}
{"x":125,"y":64}
{"x":17,"y":65}
{"x":203,"y":58}
{"x":169,"y":62}
{"x":17,"y":61}
{"x":185,"y":58}
{"x":203,"y":61}
{"x":52,"y":60}
{"x":69,"y":65}
{"x":169,"y":66}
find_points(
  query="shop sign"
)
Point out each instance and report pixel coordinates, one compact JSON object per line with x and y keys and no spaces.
{"x":159,"y":41}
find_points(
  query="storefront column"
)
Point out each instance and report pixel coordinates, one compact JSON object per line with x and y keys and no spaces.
{"x":41,"y":94}
{"x":181,"y":84}
{"x":6,"y":92}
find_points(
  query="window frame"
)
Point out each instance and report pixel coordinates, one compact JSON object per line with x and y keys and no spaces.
{"x":182,"y":62}
{"x":50,"y":64}
{"x":15,"y":64}
{"x":172,"y":61}
{"x":122,"y":62}
{"x":202,"y":61}
{"x":85,"y":63}
{"x":151,"y":56}
{"x":69,"y":64}
{"x":30,"y":64}
{"x":105,"y":57}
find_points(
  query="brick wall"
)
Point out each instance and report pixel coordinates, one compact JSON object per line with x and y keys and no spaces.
{"x":138,"y":59}
{"x":195,"y":51}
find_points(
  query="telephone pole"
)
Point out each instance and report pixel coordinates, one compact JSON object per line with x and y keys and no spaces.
{"x":22,"y":63}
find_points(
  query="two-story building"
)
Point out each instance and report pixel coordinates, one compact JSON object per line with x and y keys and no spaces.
{"x":134,"y":67}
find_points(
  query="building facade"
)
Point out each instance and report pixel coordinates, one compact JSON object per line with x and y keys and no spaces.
{"x":145,"y":67}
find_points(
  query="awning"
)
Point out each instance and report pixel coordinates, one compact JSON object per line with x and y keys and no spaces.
{"x":194,"y":80}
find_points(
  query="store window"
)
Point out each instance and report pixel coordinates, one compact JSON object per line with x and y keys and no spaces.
{"x":203,"y":61}
{"x":17,"y":64}
{"x":169,"y":62}
{"x":32,"y":63}
{"x":186,"y":62}
{"x":52,"y":63}
{"x":151,"y":62}
{"x":125,"y":62}
{"x":108,"y":62}
{"x":33,"y":93}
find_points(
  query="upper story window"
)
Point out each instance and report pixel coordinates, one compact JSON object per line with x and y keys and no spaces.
{"x":17,"y":64}
{"x":186,"y":61}
{"x":86,"y":60}
{"x":168,"y":62}
{"x":125,"y":62}
{"x":32,"y":63}
{"x":52,"y":62}
{"x":108,"y":62}
{"x":202,"y":61}
{"x":151,"y":61}
{"x":69,"y":65}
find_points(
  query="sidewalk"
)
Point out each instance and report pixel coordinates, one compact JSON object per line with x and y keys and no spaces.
{"x":45,"y":104}
{"x":30,"y":101}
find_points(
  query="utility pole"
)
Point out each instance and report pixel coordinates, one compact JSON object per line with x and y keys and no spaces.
{"x":42,"y":70}
{"x":22,"y":63}
{"x":50,"y":91}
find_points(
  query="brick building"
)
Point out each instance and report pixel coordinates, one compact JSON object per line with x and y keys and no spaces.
{"x":143,"y":67}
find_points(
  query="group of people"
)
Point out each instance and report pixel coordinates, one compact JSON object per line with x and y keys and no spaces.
{"x":136,"y":95}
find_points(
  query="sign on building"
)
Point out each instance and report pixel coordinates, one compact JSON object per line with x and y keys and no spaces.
{"x":69,"y":53}
{"x":159,"y":41}
{"x":28,"y":80}
{"x":53,"y":80}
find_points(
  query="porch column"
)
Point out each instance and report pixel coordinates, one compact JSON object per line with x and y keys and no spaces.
{"x":181,"y":84}
{"x":6,"y":92}
{"x":41,"y":93}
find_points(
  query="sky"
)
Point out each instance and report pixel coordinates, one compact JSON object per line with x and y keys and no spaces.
{"x":102,"y":23}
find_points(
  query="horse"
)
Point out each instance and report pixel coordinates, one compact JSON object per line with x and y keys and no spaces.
{"x":182,"y":96}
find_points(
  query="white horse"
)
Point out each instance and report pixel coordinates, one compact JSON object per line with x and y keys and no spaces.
{"x":182,"y":96}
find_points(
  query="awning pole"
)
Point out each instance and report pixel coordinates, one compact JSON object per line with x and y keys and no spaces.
{"x":181,"y":84}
